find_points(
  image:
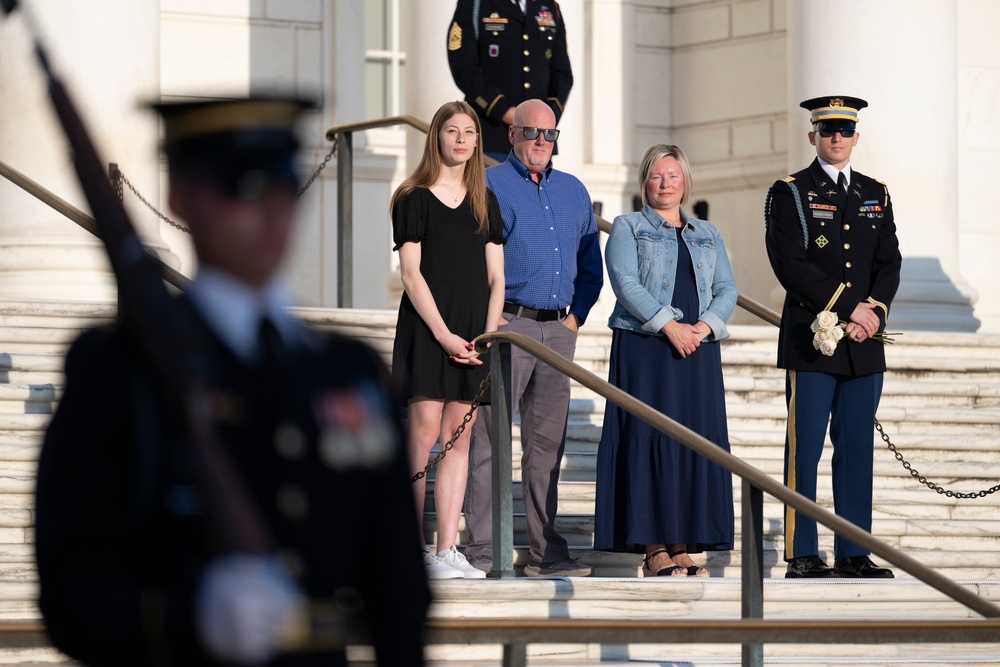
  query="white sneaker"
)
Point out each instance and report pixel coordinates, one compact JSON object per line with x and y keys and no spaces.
{"x":454,"y":558}
{"x":438,"y":569}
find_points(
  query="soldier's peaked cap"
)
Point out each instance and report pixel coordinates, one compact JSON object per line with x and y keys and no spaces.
{"x":837,"y":110}
{"x":231,"y":127}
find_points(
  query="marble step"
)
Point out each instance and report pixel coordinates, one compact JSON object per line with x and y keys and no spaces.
{"x":691,"y":597}
{"x":37,"y":340}
{"x":965,"y":557}
{"x":901,"y":417}
{"x":969,"y":474}
{"x":55,"y":312}
{"x":13,"y":440}
{"x":980,"y":357}
{"x":29,"y":361}
{"x":578,"y":530}
{"x":702,"y":655}
{"x":756,"y":390}
{"x":20,"y":422}
{"x":28,"y":398}
{"x":35,"y":657}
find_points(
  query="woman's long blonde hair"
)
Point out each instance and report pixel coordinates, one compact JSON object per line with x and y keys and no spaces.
{"x":429,"y":170}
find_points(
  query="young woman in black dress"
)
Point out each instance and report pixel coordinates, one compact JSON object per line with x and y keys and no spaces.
{"x":449,"y":234}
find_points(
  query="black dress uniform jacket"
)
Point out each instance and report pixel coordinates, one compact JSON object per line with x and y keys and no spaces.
{"x":500,"y":57}
{"x":121,"y":534}
{"x":844,"y":253}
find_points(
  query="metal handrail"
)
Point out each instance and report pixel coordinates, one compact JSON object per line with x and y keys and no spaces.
{"x":754,"y":481}
{"x":333,"y":132}
{"x":171,"y":275}
{"x":707,"y":631}
{"x":520,"y":632}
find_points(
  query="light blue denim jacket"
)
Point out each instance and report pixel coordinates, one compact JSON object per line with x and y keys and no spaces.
{"x":641,"y":256}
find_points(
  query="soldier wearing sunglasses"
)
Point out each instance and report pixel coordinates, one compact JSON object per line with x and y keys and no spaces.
{"x":831,"y":239}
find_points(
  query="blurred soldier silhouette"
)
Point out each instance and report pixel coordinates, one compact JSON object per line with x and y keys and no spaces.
{"x":133,"y":569}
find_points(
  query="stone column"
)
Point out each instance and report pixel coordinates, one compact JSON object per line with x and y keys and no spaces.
{"x":428,"y":77}
{"x":109,"y":73}
{"x":428,"y":86}
{"x":879,"y":51}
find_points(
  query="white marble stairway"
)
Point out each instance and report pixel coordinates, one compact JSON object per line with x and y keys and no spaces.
{"x":941,"y":407}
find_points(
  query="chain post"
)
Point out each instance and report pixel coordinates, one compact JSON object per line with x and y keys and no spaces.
{"x":115,"y":176}
{"x":345,"y":222}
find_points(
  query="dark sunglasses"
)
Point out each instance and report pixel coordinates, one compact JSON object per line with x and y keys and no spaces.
{"x":827,"y":133}
{"x":533,"y":132}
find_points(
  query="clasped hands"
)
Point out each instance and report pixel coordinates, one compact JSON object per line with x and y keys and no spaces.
{"x":864,"y":323}
{"x":685,"y":337}
{"x":460,"y":350}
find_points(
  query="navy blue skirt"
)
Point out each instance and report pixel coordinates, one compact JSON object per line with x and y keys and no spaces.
{"x":650,"y":488}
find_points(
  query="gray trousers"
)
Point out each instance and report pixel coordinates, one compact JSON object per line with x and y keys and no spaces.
{"x":541,"y":393}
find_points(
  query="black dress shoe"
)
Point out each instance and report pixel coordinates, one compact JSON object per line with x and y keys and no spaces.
{"x":857,"y":567}
{"x":807,"y":567}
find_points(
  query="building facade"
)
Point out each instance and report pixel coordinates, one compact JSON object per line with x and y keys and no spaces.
{"x":720,"y":78}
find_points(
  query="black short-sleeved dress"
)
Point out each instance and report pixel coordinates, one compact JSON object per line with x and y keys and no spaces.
{"x":453,"y":262}
{"x":650,"y":488}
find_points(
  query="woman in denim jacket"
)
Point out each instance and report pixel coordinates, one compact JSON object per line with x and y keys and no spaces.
{"x":675,"y":291}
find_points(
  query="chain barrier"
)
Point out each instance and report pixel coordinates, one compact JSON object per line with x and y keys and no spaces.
{"x":483,"y":386}
{"x":119,"y":178}
{"x":320,"y":168}
{"x":152,"y":208}
{"x":923,"y":480}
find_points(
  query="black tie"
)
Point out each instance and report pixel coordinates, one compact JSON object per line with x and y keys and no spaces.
{"x":842,"y":182}
{"x":272,"y":350}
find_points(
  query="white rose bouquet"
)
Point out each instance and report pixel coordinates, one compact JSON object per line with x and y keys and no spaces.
{"x":828,"y":330}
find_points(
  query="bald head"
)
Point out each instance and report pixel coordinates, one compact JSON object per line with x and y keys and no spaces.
{"x":536,"y":153}
{"x":534,"y":113}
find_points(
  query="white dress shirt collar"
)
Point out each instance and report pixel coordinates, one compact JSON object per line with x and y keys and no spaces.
{"x":832,"y":171}
{"x":233,"y":311}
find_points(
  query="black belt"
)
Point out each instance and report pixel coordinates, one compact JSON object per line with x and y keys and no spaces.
{"x":532,"y":314}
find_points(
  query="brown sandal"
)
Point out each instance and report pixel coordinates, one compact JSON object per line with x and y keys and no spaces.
{"x":692,"y":570}
{"x":669,"y":571}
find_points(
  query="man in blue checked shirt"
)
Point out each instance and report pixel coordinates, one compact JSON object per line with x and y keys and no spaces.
{"x":554,"y":273}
